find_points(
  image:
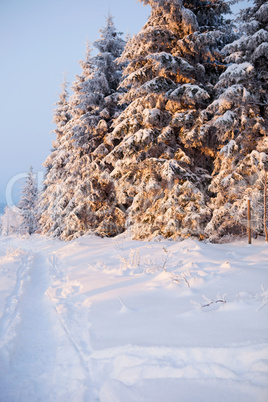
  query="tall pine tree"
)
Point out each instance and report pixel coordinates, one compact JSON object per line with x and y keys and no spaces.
{"x":239,"y":117}
{"x":86,"y":187}
{"x":53,"y":199}
{"x":160,"y":165}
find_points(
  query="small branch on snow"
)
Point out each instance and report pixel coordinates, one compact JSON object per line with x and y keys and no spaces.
{"x":213,"y":302}
{"x":209,"y":302}
{"x":179,"y":278}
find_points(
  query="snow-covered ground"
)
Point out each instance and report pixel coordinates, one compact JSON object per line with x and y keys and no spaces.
{"x":117,"y":320}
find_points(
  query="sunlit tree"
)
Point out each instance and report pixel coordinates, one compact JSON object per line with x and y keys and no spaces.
{"x":239,"y":117}
{"x":53,"y":198}
{"x":161,"y":166}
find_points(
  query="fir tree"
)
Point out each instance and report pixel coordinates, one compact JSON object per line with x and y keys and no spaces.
{"x":53,"y":198}
{"x":28,"y":205}
{"x":160,"y":166}
{"x":86,"y":187}
{"x":239,"y":117}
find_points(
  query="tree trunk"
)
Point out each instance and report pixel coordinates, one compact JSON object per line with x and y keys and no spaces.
{"x":249,"y":223}
{"x":265,"y":208}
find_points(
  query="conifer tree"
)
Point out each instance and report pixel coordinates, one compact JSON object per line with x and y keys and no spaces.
{"x":53,"y":198}
{"x":28,"y":205}
{"x":10,"y":221}
{"x":160,"y":166}
{"x":94,"y":105}
{"x":239,"y":117}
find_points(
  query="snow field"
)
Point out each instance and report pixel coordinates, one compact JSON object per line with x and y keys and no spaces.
{"x":119,"y":320}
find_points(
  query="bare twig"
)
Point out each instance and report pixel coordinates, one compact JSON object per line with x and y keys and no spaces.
{"x":213,"y":302}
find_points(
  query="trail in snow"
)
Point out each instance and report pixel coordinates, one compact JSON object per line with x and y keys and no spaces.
{"x":10,"y":316}
{"x":39,"y":358}
{"x":72,"y":313}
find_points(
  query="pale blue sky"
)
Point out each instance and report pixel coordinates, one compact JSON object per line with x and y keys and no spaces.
{"x":40,"y":40}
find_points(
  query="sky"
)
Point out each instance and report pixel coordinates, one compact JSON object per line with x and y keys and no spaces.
{"x":40,"y":41}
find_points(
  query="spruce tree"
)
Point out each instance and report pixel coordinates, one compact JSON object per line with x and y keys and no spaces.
{"x":53,"y":198}
{"x":94,"y":105}
{"x":28,"y":205}
{"x":160,"y":165}
{"x":239,"y":117}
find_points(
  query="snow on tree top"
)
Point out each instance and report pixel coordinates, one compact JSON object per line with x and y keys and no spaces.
{"x":110,"y":41}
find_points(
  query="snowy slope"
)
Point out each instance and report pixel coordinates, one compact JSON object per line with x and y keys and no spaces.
{"x":117,"y":320}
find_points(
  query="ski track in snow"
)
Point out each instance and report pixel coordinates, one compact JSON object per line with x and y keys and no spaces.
{"x":46,"y":351}
{"x":11,"y":314}
{"x":38,"y":355}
